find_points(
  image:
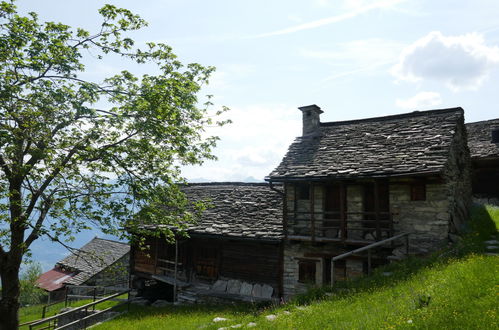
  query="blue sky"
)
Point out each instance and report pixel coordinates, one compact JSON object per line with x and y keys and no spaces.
{"x":353,"y":58}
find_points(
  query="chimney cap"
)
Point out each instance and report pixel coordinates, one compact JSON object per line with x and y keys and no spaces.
{"x":311,"y":107}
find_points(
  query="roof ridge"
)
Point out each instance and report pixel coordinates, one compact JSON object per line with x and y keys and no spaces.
{"x":105,"y":239}
{"x":483,"y":121}
{"x":416,"y":113}
{"x":222,"y":183}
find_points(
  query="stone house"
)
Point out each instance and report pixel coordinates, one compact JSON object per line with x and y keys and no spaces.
{"x":233,"y":252}
{"x":348,"y":184}
{"x":100,"y":262}
{"x":342,"y":185}
{"x":483,"y":141}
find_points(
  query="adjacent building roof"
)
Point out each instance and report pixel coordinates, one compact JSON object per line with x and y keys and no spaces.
{"x":243,"y":210}
{"x":480,"y":139}
{"x":92,"y":258}
{"x":406,"y":144}
{"x":54,"y":279}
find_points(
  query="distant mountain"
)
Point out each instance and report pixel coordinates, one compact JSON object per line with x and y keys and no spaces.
{"x":48,"y":253}
{"x":204,"y":180}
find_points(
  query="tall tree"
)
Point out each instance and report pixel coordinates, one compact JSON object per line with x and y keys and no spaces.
{"x":74,"y":150}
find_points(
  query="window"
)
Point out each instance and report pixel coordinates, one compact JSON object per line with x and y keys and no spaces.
{"x":206,"y":262}
{"x":418,"y":192}
{"x":303,"y":191}
{"x":306,"y":271}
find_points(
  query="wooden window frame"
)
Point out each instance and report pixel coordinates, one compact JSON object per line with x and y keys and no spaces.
{"x":303,"y":191}
{"x":418,"y":191}
{"x":305,"y":272}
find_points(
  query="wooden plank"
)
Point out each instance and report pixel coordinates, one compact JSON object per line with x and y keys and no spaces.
{"x":376,"y":209}
{"x":312,"y":210}
{"x":285,"y":211}
{"x":344,"y":234}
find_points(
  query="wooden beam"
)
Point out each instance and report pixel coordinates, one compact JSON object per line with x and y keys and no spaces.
{"x":343,"y":225}
{"x":285,"y":211}
{"x":312,"y":211}
{"x":376,"y":209}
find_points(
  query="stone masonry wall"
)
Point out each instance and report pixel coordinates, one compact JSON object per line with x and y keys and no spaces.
{"x":116,"y":274}
{"x":458,"y":178}
{"x":427,"y":221}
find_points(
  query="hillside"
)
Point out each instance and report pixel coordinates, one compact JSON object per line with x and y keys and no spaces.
{"x":455,"y":288}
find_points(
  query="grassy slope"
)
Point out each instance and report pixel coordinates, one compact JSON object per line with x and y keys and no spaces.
{"x":454,"y":289}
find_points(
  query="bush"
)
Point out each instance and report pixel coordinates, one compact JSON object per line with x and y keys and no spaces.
{"x":30,"y":293}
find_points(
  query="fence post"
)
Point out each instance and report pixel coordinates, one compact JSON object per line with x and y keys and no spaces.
{"x":407,"y":244}
{"x":332,"y":272}
{"x":66,"y":298}
{"x":369,"y":262}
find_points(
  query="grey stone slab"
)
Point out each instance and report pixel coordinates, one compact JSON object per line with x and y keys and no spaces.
{"x":267,"y":291}
{"x":257,"y":290}
{"x":219,"y":286}
{"x":246,"y":289}
{"x":234,"y":286}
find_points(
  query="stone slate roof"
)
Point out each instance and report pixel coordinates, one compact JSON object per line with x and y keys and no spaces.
{"x":243,"y":210}
{"x":479,"y":139}
{"x":406,"y":144}
{"x":92,"y":258}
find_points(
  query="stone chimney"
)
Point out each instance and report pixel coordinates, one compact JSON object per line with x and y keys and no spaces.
{"x":311,"y":118}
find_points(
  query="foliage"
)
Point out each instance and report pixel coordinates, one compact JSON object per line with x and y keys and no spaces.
{"x":452,"y":289}
{"x":76,"y":152}
{"x":30,"y":293}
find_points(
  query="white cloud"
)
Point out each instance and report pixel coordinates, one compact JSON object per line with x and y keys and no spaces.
{"x":461,"y":62}
{"x":357,"y":56}
{"x":420,"y":101}
{"x":333,"y":19}
{"x":252,"y":145}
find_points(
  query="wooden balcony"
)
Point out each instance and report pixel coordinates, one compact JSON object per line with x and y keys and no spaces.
{"x":349,"y":227}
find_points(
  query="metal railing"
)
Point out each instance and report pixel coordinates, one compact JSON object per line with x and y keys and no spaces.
{"x":52,"y":321}
{"x":368,"y":249}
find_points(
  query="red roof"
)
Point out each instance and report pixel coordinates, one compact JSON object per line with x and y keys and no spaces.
{"x":54,"y":279}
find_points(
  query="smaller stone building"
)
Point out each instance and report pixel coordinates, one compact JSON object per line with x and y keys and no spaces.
{"x":483,"y":141}
{"x":234,"y":250}
{"x":349,"y":184}
{"x":100,"y":262}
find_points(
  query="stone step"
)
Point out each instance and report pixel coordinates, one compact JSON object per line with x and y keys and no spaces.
{"x":395,"y":258}
{"x":186,"y":299}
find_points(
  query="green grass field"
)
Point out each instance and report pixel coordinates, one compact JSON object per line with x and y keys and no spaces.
{"x":32,"y":313}
{"x":456,"y":288}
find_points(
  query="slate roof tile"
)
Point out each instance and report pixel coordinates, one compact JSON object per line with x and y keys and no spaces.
{"x":412,"y":143}
{"x":92,"y":258}
{"x":479,"y":139}
{"x":238,"y":210}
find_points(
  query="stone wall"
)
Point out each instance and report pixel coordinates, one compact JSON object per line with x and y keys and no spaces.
{"x":457,"y":175}
{"x":427,"y":221}
{"x":116,"y":274}
{"x":485,"y":200}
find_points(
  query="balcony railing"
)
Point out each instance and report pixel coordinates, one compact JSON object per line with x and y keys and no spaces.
{"x":333,"y":226}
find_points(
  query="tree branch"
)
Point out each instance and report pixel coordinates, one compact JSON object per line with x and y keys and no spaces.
{"x":48,"y":180}
{"x":36,"y":228}
{"x":5,"y":168}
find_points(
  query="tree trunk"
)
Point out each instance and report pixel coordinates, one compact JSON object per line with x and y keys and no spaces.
{"x":9,"y":303}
